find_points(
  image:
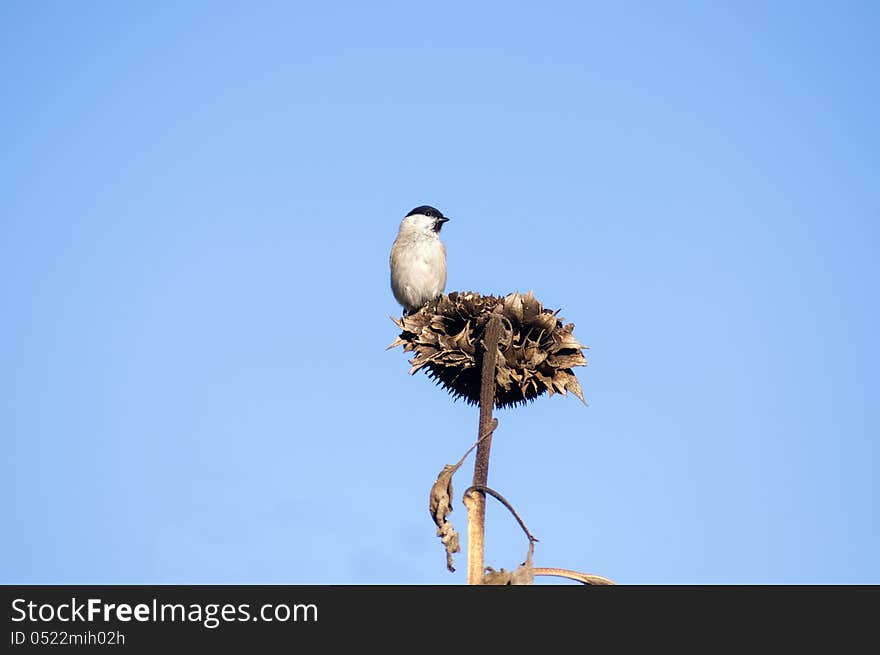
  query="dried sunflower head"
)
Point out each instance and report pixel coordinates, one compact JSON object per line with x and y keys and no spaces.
{"x":536,"y":352}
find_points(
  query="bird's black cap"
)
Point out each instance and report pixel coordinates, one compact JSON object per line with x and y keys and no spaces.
{"x":427,"y":210}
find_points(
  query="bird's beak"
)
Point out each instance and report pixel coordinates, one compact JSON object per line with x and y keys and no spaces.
{"x":442,"y":220}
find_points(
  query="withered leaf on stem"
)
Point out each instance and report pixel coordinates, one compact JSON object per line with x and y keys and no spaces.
{"x":440,"y":506}
{"x":440,"y":501}
{"x":524,"y":574}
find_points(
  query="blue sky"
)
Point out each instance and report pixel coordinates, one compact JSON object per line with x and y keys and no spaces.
{"x":198,"y":200}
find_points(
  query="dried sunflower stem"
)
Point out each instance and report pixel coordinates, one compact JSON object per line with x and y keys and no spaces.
{"x":585,"y":578}
{"x":501,"y":499}
{"x":485,"y":435}
{"x":477,"y":509}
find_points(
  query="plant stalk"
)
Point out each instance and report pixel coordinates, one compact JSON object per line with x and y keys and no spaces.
{"x":477,"y":506}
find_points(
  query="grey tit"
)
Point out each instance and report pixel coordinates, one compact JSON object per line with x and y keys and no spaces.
{"x":418,"y":259}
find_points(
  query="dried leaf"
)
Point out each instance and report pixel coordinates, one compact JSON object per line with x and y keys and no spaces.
{"x":524,"y":574}
{"x":566,"y":360}
{"x":575,"y":387}
{"x":513,"y":307}
{"x":493,"y":577}
{"x":440,"y":506}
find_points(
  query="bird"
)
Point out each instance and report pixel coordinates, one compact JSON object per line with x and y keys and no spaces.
{"x":418,"y":259}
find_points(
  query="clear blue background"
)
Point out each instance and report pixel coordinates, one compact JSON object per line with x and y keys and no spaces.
{"x":197,"y":203}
